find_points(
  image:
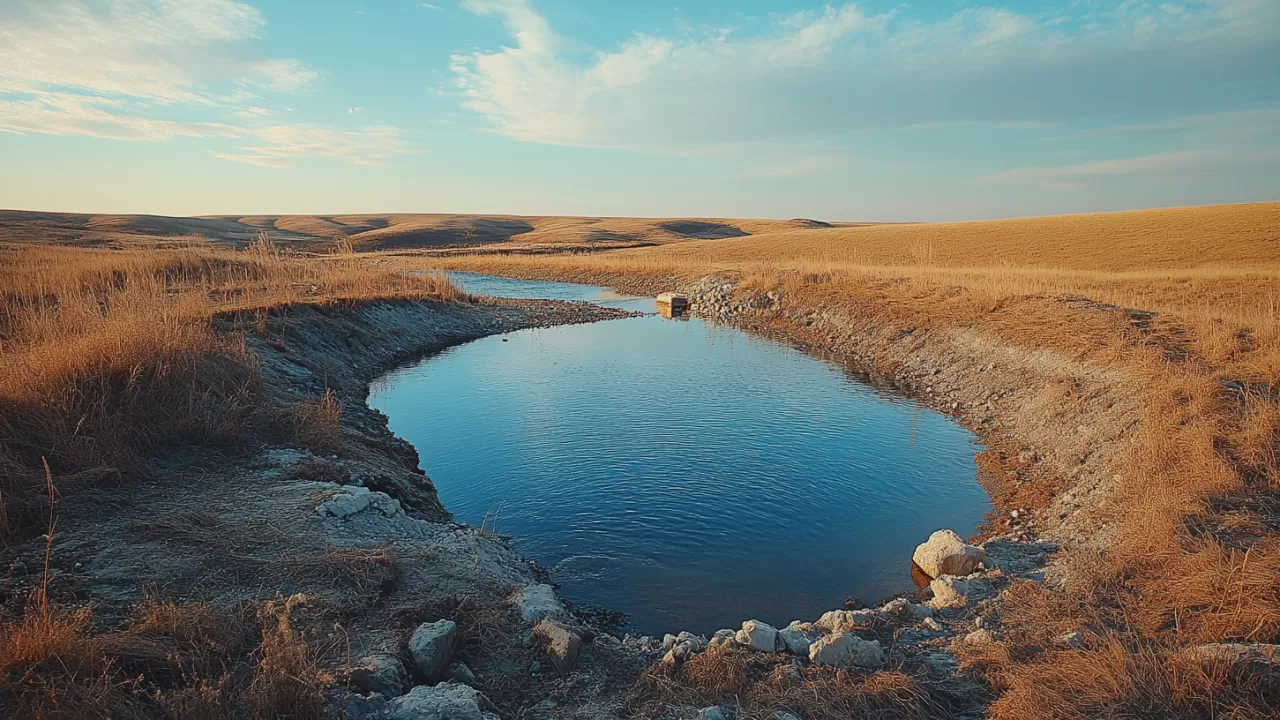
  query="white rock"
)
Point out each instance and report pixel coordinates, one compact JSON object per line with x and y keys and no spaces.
{"x":784,"y":715}
{"x":796,"y":639}
{"x":945,"y":553}
{"x":954,"y":592}
{"x":980,"y":637}
{"x":537,"y":602}
{"x":432,"y":646}
{"x":903,"y":606}
{"x":723,"y":637}
{"x":759,"y":636}
{"x":562,"y":643}
{"x":846,"y":650}
{"x":842,"y":620}
{"x":352,"y":499}
{"x":446,"y":701}
{"x":714,"y":712}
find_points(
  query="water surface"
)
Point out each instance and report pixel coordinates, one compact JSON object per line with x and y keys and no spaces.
{"x":689,"y":475}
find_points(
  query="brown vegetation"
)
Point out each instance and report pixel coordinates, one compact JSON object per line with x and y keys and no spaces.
{"x":1196,"y":554}
{"x":761,"y":685}
{"x":373,"y":232}
{"x":108,"y":355}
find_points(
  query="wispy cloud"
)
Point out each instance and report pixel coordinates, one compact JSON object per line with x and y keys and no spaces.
{"x":803,"y":166}
{"x":1161,"y":165}
{"x":130,"y":69}
{"x":281,"y":145}
{"x":355,"y":110}
{"x":827,"y":73}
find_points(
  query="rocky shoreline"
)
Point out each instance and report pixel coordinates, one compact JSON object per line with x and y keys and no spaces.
{"x":437,"y":619}
{"x":923,"y":633}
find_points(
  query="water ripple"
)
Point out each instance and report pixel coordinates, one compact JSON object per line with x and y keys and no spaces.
{"x":689,"y":475}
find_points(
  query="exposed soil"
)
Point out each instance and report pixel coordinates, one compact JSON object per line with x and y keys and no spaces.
{"x":354,"y":524}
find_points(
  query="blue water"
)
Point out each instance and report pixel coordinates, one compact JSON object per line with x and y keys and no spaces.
{"x":687,"y":474}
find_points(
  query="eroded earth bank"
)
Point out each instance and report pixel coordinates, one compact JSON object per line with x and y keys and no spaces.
{"x":416,"y":616}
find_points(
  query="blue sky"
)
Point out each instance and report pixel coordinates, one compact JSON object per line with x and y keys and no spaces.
{"x":931,"y":110}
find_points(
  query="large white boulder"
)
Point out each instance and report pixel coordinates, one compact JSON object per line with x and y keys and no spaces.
{"x":946,"y":553}
{"x":759,"y":636}
{"x":846,"y":650}
{"x":432,"y":646}
{"x":446,"y":701}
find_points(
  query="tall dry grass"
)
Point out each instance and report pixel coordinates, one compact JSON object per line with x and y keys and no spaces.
{"x":1196,"y":556}
{"x":107,"y":355}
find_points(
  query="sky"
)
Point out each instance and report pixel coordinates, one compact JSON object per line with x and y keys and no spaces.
{"x":929,"y":110}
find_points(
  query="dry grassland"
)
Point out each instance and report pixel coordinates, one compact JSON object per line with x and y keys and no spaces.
{"x":106,"y":355}
{"x":1196,"y":554}
{"x":374,"y":232}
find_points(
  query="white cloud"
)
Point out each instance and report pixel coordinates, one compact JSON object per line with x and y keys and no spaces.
{"x":354,"y":110}
{"x":281,"y":145}
{"x":1002,"y":25}
{"x":136,"y":69}
{"x":282,"y":74}
{"x":828,"y":73}
{"x":160,"y":50}
{"x":73,"y":114}
{"x":1161,"y":165}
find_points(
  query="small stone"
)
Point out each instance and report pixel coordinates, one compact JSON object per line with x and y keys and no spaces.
{"x":846,"y":650}
{"x":1073,"y":639}
{"x":842,"y":620}
{"x":784,"y":715}
{"x":381,"y":674}
{"x":432,"y":646}
{"x":537,"y":602}
{"x":759,"y":636}
{"x":669,"y":641}
{"x":945,"y":553}
{"x":950,"y":591}
{"x":903,"y":606}
{"x":562,"y":644}
{"x":723,"y":637}
{"x":715,"y":712}
{"x":446,"y":701}
{"x":353,"y":499}
{"x":980,"y":637}
{"x":535,"y":668}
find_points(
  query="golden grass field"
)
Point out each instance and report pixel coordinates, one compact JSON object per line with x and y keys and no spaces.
{"x":108,"y":353}
{"x":1196,"y":557}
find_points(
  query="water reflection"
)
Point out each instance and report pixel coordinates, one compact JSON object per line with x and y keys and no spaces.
{"x":687,"y":474}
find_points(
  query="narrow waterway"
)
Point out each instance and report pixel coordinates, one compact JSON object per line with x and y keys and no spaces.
{"x":687,"y":474}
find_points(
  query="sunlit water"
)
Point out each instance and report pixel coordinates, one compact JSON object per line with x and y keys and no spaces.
{"x":689,"y":475}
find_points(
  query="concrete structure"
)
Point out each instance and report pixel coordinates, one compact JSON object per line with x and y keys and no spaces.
{"x":671,"y":304}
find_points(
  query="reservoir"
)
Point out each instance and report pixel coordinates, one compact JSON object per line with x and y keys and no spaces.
{"x":687,"y":474}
